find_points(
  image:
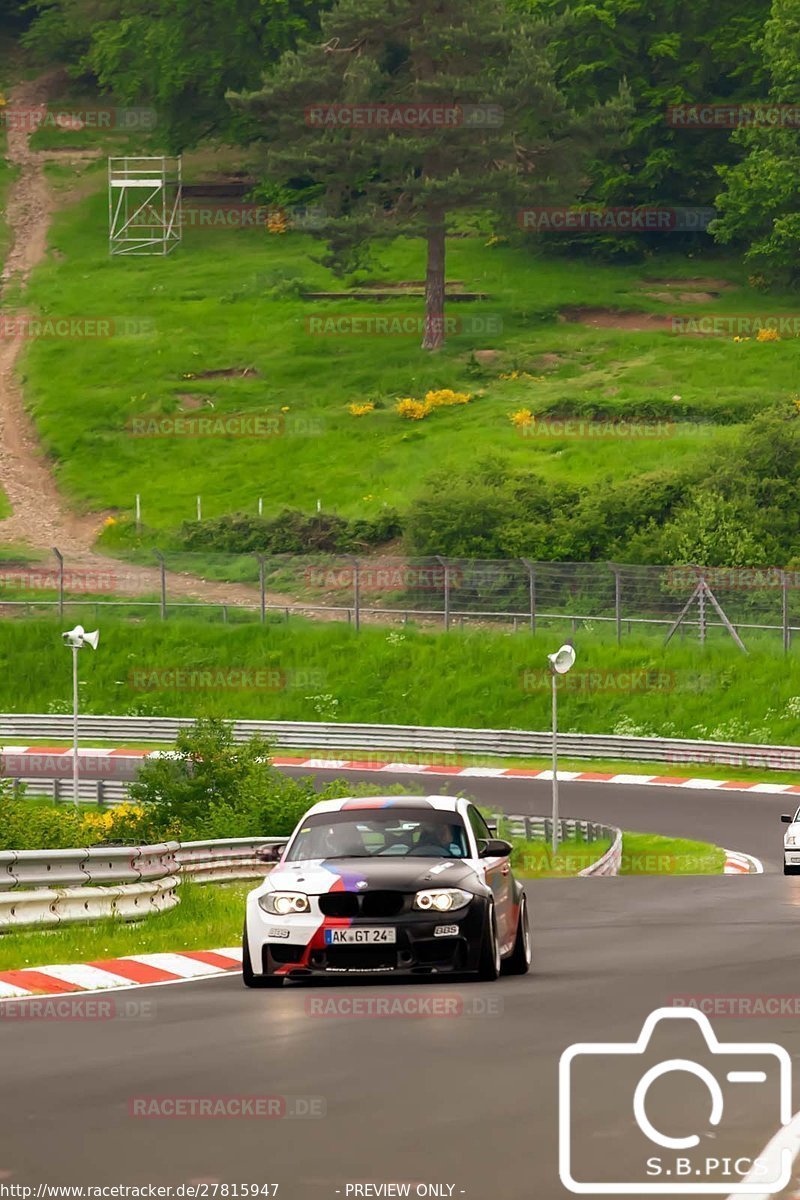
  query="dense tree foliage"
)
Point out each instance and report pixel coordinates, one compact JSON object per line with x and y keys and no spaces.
{"x":179,"y":55}
{"x":761,"y":202}
{"x":475,"y":122}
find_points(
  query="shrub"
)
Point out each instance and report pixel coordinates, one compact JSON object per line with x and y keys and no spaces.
{"x":290,"y":532}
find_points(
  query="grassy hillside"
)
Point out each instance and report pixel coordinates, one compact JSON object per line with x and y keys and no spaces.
{"x":315,"y":672}
{"x":228,"y":298}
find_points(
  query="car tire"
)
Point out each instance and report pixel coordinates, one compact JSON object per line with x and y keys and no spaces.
{"x":249,"y":978}
{"x":489,"y":965}
{"x":520,"y":958}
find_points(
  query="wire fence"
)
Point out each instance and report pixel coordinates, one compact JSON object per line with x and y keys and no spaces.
{"x":619,"y":599}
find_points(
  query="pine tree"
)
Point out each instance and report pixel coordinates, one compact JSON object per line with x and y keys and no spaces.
{"x":474,"y":123}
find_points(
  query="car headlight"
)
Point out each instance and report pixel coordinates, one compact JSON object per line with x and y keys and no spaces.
{"x":790,"y":840}
{"x":441,"y":899}
{"x":284,"y":903}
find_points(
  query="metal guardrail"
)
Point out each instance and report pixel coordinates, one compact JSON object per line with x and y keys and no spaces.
{"x":463,"y":743}
{"x":144,"y":879}
{"x":46,"y":906}
{"x":540,"y":829}
{"x":78,"y":867}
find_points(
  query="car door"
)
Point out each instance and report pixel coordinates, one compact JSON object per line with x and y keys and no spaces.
{"x":499,"y":878}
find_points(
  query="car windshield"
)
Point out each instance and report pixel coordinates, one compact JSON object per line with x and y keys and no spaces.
{"x":380,"y":833}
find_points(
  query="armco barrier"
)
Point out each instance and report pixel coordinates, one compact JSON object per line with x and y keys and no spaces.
{"x":98,"y":865}
{"x":20,"y":728}
{"x":45,"y":906}
{"x":36,"y":904}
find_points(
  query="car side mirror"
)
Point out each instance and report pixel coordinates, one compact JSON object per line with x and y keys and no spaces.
{"x":269,"y":854}
{"x":494,"y":848}
{"x":787,"y":820}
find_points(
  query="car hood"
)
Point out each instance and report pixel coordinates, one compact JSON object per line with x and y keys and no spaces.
{"x":317,"y":876}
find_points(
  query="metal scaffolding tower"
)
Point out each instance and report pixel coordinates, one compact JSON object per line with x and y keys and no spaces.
{"x":144,"y":205}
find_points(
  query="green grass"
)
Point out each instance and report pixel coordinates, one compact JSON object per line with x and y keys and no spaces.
{"x":212,"y":306}
{"x":642,"y":854}
{"x":476,"y":679}
{"x":650,"y":854}
{"x":206,"y":918}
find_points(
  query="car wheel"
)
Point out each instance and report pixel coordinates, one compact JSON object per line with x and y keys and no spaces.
{"x":489,"y":965}
{"x":249,"y":978}
{"x":519,"y":961}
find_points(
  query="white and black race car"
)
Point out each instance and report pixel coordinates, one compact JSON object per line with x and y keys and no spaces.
{"x":412,"y":885}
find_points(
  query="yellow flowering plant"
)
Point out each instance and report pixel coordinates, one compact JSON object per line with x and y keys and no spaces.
{"x":412,"y":410}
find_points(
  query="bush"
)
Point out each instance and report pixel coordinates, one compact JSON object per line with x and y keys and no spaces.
{"x":290,"y":532}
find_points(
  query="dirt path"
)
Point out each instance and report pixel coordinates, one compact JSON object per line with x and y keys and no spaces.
{"x":41,"y":518}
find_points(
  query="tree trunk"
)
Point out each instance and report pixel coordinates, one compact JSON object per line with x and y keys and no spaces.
{"x":434,"y":284}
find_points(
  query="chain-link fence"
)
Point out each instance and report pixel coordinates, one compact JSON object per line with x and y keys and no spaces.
{"x":615,"y":599}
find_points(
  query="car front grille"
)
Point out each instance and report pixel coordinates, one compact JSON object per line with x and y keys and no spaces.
{"x":363,"y":904}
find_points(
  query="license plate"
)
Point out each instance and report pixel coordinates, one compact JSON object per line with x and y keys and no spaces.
{"x":360,"y":937}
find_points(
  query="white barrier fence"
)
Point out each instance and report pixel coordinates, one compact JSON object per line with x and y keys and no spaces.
{"x":54,"y":887}
{"x":144,"y":879}
{"x":440,"y":740}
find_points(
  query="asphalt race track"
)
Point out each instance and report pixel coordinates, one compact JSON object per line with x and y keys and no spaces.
{"x":466,"y":1101}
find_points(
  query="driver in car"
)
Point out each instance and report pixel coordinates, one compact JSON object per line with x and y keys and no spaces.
{"x":439,"y":838}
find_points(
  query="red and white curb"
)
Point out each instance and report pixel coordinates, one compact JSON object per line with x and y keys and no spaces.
{"x":742,"y":864}
{"x":47,"y":761}
{"x":400,"y":768}
{"x":135,"y":970}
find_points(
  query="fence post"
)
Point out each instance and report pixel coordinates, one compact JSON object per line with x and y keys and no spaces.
{"x":60,"y":558}
{"x":56,"y":791}
{"x":138,"y":513}
{"x":356,"y":594}
{"x":446,"y":566}
{"x":163,"y":568}
{"x":199,"y":508}
{"x":531,"y":592}
{"x":617,"y":603}
{"x":785,"y":612}
{"x":701,"y":603}
{"x":261,"y":588}
{"x":101,"y":792}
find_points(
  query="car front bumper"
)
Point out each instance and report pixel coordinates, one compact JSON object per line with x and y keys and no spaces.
{"x":296,"y":946}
